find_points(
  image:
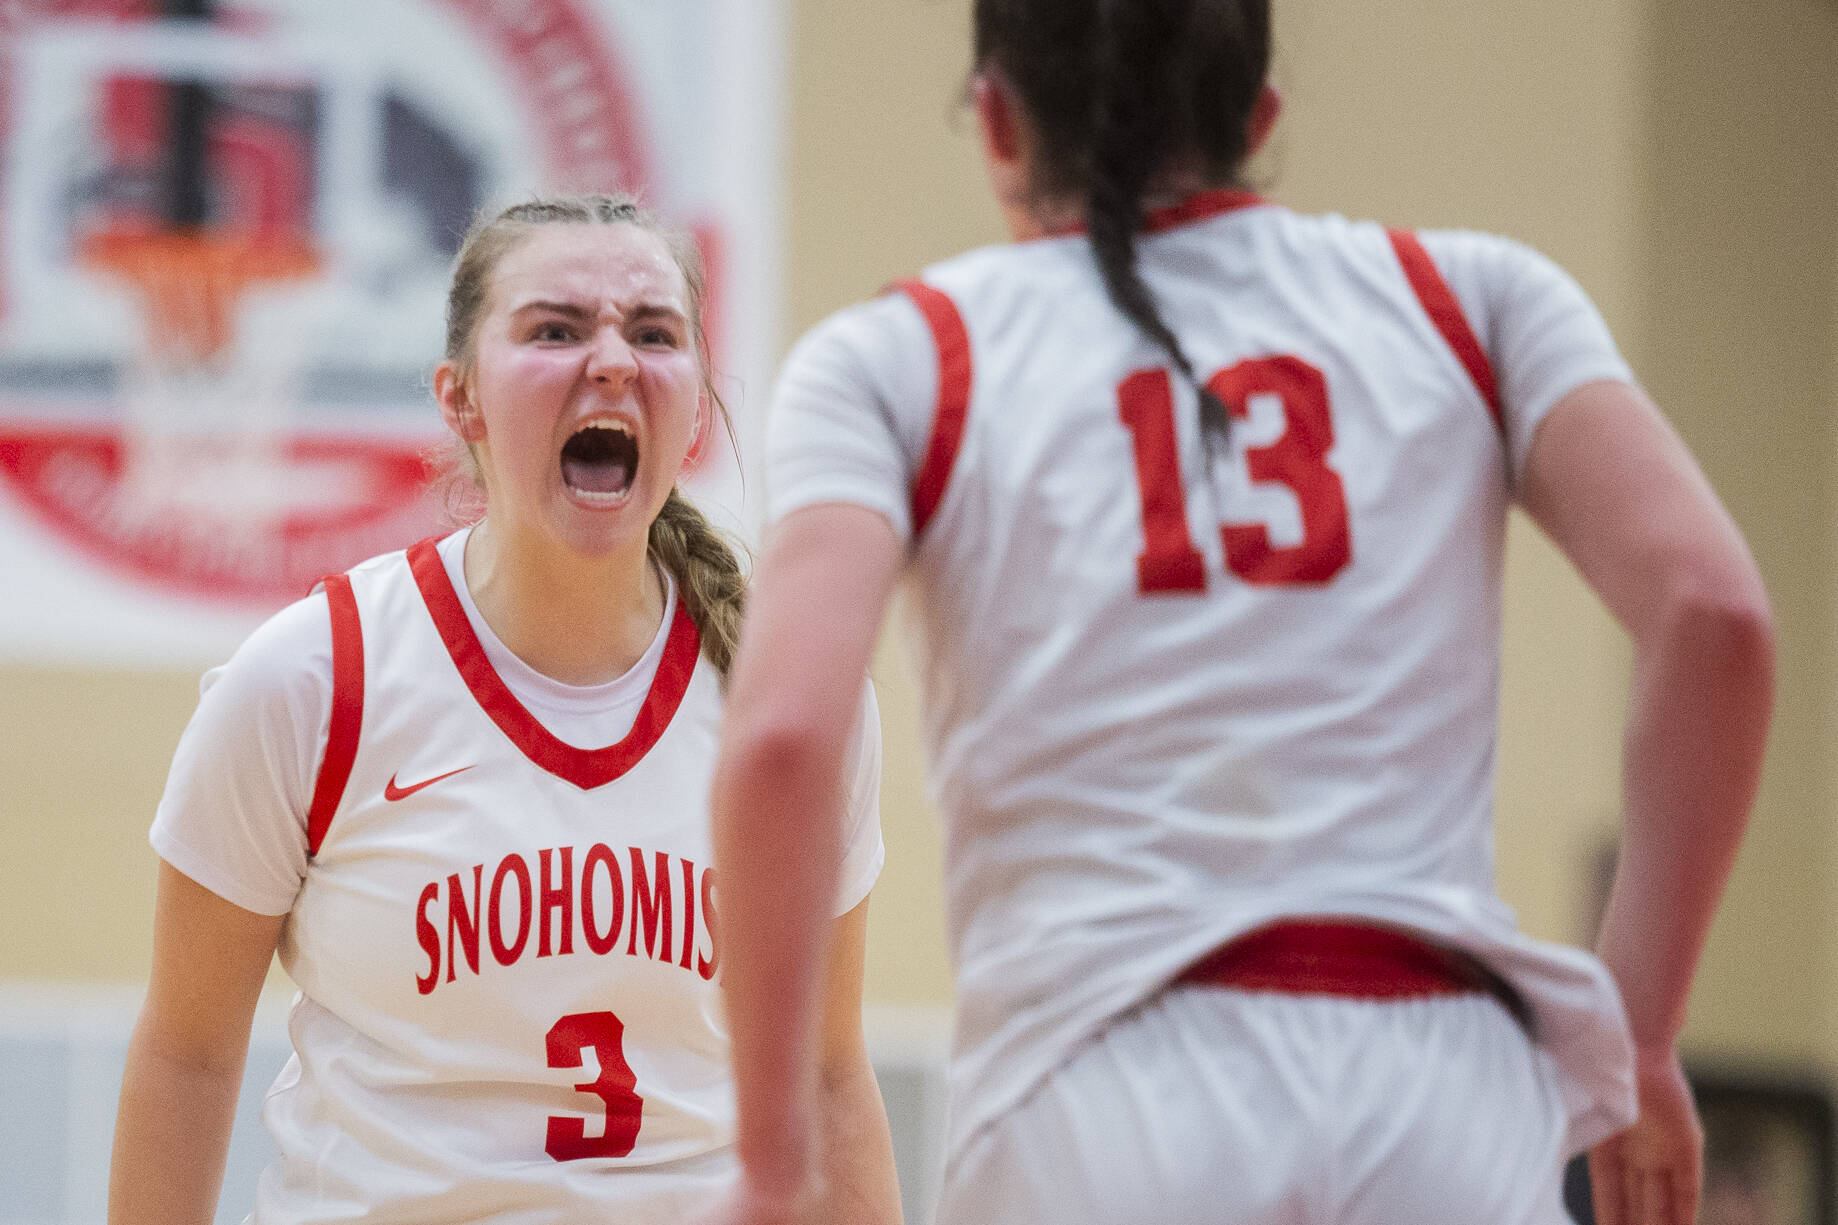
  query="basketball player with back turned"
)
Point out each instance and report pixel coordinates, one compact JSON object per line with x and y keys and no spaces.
{"x":1203,"y":508}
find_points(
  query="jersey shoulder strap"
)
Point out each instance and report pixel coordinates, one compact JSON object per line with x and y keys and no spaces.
{"x":1444,"y":310}
{"x":951,"y":339}
{"x":347,"y":710}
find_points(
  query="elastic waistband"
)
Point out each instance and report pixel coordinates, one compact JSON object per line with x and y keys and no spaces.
{"x":1350,"y":958}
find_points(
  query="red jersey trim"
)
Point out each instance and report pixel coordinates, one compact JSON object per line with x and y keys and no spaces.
{"x":347,"y":710}
{"x":1444,"y":310}
{"x":952,"y":340}
{"x":585,"y":768}
{"x":1203,"y":206}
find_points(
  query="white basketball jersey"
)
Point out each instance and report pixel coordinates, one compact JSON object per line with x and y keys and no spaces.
{"x":505,"y":945}
{"x":1173,"y":691}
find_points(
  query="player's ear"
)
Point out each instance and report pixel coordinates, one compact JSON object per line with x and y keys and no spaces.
{"x":1006,"y":141}
{"x":705,"y":426}
{"x":456,"y":407}
{"x":1264,"y":114}
{"x":996,"y":118}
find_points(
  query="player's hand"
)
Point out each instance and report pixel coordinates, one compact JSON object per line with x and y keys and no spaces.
{"x":1651,"y":1173}
{"x":748,"y":1203}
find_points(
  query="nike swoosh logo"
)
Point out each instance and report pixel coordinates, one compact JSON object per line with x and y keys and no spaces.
{"x":393,"y":793}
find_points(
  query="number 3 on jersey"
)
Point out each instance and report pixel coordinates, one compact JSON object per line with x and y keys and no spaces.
{"x":1297,"y":459}
{"x":604,"y":1034}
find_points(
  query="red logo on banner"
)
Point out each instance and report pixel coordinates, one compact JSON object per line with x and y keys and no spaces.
{"x":224,"y":273}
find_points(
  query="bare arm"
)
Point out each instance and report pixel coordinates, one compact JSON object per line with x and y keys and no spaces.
{"x":185,"y":1060}
{"x":792,"y":704}
{"x":1614,"y":487}
{"x":855,"y":1149}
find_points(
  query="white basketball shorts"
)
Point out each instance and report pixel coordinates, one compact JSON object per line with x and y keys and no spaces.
{"x":1220,"y":1106}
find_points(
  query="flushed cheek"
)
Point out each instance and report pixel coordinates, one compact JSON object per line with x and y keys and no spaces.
{"x":523,"y":427}
{"x":675,"y":427}
{"x":535,"y":384}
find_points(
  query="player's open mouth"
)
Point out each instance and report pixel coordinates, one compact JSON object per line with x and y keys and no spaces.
{"x":599,"y":461}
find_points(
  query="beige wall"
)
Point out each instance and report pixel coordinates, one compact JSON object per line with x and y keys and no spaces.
{"x":83,"y":755}
{"x":1680,"y":160}
{"x":1739,"y":257}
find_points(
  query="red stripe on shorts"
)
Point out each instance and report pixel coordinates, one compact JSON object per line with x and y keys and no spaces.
{"x":1336,"y":957}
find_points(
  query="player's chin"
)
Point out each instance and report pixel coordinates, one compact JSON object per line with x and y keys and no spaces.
{"x":596,"y":524}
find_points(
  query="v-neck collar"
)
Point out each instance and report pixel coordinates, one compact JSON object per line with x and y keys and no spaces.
{"x":585,"y":768}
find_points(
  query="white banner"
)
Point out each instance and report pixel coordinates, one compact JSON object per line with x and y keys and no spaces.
{"x":225,"y":235}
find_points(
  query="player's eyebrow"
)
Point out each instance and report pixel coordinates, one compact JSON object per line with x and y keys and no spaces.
{"x":571,"y":310}
{"x":656,"y":310}
{"x":582,"y":312}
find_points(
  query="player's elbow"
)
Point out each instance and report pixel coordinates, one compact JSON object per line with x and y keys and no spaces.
{"x":770,"y":797}
{"x":1718,"y":616}
{"x":178,"y":1047}
{"x":770,"y":749}
{"x":779,"y":753}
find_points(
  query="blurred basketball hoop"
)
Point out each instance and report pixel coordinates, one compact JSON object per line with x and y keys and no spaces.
{"x":190,"y":282}
{"x":205,"y":417}
{"x":205,"y":205}
{"x":209,"y":200}
{"x":225,"y":237}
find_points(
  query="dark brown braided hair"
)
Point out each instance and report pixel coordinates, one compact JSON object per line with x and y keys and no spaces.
{"x":1120,"y":91}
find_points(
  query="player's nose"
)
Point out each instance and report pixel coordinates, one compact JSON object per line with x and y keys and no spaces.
{"x":610,"y":359}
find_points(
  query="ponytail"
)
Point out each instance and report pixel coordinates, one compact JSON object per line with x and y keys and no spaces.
{"x":1120,"y":93}
{"x":708,"y":576}
{"x":1138,"y":124}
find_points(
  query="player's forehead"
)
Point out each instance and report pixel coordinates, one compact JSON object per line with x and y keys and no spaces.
{"x":596,"y":264}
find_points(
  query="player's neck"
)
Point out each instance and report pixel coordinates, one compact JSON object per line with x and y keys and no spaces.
{"x":1029,"y":216}
{"x":581,"y":621}
{"x":1028,"y":220}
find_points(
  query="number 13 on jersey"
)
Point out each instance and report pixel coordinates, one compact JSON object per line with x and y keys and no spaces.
{"x":1169,"y":562}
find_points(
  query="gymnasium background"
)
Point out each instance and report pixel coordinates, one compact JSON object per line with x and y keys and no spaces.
{"x":1679,"y":158}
